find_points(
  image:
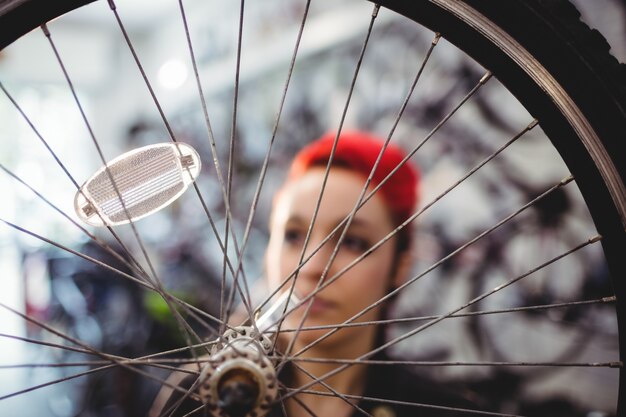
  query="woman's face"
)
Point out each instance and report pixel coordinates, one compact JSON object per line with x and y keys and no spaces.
{"x":359,"y":287}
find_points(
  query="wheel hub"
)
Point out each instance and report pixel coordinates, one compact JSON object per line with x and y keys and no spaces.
{"x":239,"y":380}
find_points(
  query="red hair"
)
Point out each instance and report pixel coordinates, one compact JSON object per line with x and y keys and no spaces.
{"x":358,"y":151}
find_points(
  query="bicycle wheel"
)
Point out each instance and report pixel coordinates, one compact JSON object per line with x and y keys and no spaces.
{"x":555,"y":67}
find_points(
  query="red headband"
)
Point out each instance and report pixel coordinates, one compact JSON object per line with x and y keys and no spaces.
{"x":358,"y":151}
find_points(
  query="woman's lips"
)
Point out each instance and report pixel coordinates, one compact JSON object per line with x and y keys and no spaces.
{"x":319,"y":305}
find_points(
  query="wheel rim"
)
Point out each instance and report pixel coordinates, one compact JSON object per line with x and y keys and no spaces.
{"x":609,"y":174}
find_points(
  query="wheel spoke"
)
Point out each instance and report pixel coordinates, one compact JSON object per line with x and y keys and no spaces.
{"x":563,"y":115}
{"x":481,"y":297}
{"x":327,"y":172}
{"x":332,"y":390}
{"x":116,"y":360}
{"x":300,"y":403}
{"x":195,"y":411}
{"x":153,"y":278}
{"x":188,"y":394}
{"x":399,"y":320}
{"x":192,"y":310}
{"x":403,"y":403}
{"x":143,"y":360}
{"x":441,"y":261}
{"x":148,"y":359}
{"x":443,"y":317}
{"x":211,"y":138}
{"x":613,"y":364}
{"x":101,"y":362}
{"x":222,"y":183}
{"x":266,"y":159}
{"x":156,"y":363}
{"x":44,"y":343}
{"x":341,"y":224}
{"x":90,"y":235}
{"x":54,"y":382}
{"x":359,"y":203}
{"x":265,"y":164}
{"x":88,"y":372}
{"x":229,"y":180}
{"x":165,"y":121}
{"x":418,"y":213}
{"x":70,"y":177}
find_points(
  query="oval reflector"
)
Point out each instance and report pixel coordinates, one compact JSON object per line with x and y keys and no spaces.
{"x":147,"y":179}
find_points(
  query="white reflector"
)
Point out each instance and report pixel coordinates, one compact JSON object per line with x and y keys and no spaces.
{"x":147,"y":179}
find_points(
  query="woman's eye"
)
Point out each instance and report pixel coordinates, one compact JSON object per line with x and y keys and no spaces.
{"x":293,"y":236}
{"x":355,"y":244}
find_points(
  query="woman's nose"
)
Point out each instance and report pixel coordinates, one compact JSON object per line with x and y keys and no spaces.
{"x":315,"y":261}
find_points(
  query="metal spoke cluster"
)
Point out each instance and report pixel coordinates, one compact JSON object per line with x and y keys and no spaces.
{"x":233,"y":278}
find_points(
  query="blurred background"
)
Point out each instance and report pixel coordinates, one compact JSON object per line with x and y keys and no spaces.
{"x":114,"y":315}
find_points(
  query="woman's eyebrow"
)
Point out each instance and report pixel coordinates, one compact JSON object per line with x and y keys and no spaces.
{"x":294,"y":218}
{"x":356,"y":221}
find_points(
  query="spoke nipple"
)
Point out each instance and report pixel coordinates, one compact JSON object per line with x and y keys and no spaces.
{"x":112,"y":5}
{"x":486,"y":77}
{"x":88,"y":209}
{"x":595,"y":239}
{"x":567,"y":180}
{"x":436,"y":39}
{"x":618,"y":364}
{"x":375,"y":11}
{"x":609,"y":299}
{"x":45,"y":30}
{"x":187,"y":161}
{"x":533,"y":124}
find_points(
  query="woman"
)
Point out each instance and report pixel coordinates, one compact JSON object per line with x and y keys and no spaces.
{"x":359,"y":287}
{"x":348,"y":290}
{"x":356,"y":289}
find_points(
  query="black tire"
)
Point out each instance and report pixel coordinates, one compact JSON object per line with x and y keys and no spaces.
{"x":557,"y":67}
{"x":578,"y":59}
{"x":18,"y":17}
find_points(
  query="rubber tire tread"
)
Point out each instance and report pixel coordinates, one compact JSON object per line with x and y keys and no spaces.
{"x":18,"y":17}
{"x":579,"y":60}
{"x":555,"y":18}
